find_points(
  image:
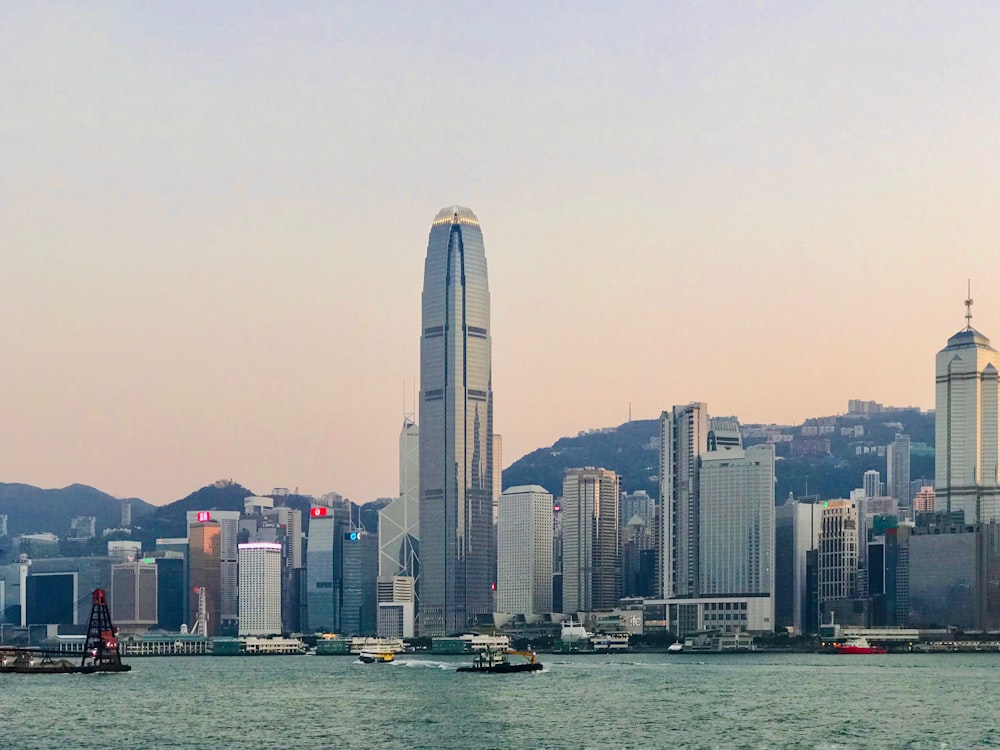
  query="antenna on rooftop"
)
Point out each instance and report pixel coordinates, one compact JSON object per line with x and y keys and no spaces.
{"x":968,"y":308}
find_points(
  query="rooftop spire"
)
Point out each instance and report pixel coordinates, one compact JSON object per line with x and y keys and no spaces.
{"x":968,"y":308}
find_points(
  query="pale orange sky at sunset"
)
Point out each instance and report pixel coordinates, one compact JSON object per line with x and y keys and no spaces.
{"x":213,"y":221}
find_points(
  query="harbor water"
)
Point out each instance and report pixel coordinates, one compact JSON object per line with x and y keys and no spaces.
{"x":916,"y":701}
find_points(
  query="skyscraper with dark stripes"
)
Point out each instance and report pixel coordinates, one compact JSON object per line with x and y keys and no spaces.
{"x":457,"y":538}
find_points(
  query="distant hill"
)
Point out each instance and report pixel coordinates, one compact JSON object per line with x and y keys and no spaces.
{"x":632,"y":450}
{"x":32,"y":509}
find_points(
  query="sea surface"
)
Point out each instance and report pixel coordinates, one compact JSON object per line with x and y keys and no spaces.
{"x":595,"y":701}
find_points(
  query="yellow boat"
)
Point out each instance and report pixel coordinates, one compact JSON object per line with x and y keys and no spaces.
{"x":376,"y":656}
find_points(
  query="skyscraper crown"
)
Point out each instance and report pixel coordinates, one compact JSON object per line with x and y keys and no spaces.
{"x":456,"y":215}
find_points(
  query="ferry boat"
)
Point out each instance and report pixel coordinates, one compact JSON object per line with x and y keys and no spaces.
{"x":376,"y":655}
{"x":610,"y":642}
{"x":857,"y":646}
{"x":495,"y":661}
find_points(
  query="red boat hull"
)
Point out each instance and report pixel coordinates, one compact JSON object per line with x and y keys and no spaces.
{"x":843,"y":649}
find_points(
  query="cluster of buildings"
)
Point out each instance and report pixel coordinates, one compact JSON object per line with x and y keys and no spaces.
{"x":713,"y":553}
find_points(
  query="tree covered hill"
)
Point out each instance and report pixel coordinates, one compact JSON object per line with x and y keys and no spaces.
{"x":32,"y":509}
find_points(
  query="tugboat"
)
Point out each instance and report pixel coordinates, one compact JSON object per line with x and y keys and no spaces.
{"x":100,"y":649}
{"x":494,"y":661}
{"x":857,"y":646}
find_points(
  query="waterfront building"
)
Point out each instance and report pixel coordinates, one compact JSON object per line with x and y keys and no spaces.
{"x":324,"y":564}
{"x":396,"y":607}
{"x":718,"y":523}
{"x":838,"y":555}
{"x":359,"y":583}
{"x":965,"y":426}
{"x":178,"y":546}
{"x":399,"y":521}
{"x":204,"y":543}
{"x":229,"y":524}
{"x":897,"y":459}
{"x":591,"y":565}
{"x":683,"y":439}
{"x":953,"y":569}
{"x":260,"y":569}
{"x":736,"y":520}
{"x":456,"y":428}
{"x":134,"y":595}
{"x":524,"y":551}
{"x":56,"y":590}
{"x":796,"y":537}
{"x":171,"y":587}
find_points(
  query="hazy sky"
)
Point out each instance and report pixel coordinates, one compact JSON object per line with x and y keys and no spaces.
{"x":213,"y":220}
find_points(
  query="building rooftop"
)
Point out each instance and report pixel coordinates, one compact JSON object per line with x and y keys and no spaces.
{"x":968,"y":337}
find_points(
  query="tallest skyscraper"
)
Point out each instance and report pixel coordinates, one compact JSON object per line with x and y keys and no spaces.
{"x":456,"y":428}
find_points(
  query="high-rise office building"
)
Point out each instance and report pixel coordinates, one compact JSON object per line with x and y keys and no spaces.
{"x":359,"y":583}
{"x":796,"y":535}
{"x":260,"y":588}
{"x":736,"y":521}
{"x":456,"y":428}
{"x":897,"y":460}
{"x":524,"y":551}
{"x":134,"y":595}
{"x":683,"y":439}
{"x":399,"y":521}
{"x":717,"y":524}
{"x":171,"y":585}
{"x":591,"y":563}
{"x":838,"y":553}
{"x":324,"y":564}
{"x":229,"y":524}
{"x":873,"y":483}
{"x":204,"y":543}
{"x":965,"y":426}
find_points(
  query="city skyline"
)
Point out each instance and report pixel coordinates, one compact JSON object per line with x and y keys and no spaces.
{"x":185,"y":301}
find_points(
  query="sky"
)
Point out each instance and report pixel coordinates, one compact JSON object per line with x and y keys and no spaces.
{"x":213,"y":220}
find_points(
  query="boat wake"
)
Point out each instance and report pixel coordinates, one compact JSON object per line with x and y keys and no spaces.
{"x":426,"y":664}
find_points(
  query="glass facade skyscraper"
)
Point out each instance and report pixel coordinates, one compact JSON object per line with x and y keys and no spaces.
{"x":456,"y":428}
